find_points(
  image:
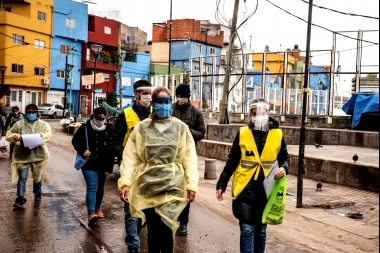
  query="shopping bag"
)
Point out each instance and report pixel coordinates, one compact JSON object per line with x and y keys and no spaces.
{"x":4,"y":145}
{"x":274,"y":210}
{"x":80,"y":161}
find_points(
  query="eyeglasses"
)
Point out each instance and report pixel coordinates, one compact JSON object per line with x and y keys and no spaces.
{"x":100,"y":118}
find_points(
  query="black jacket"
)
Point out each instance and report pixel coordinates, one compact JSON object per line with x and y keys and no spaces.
{"x":9,"y":120}
{"x":102,"y":156}
{"x":249,"y":205}
{"x":120,"y":129}
{"x":192,"y":117}
{"x":2,"y":128}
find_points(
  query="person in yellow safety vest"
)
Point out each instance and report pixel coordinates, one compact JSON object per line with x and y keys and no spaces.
{"x":11,"y":120}
{"x":255,"y":149}
{"x":123,"y":128}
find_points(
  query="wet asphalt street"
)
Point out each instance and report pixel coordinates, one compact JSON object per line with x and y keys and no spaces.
{"x":58,"y":223}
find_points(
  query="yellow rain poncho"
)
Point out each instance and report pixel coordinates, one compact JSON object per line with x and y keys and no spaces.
{"x":37,"y":157}
{"x":160,"y":165}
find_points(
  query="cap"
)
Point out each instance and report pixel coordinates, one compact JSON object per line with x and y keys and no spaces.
{"x":184,"y":90}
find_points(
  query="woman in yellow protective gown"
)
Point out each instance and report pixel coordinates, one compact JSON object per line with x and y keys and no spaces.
{"x":159,"y":173}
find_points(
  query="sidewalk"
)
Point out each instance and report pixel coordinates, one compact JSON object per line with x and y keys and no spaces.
{"x":349,"y":209}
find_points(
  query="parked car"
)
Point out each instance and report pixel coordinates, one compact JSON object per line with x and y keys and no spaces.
{"x":52,"y":110}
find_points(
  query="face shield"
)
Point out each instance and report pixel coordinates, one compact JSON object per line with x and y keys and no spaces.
{"x":260,"y":116}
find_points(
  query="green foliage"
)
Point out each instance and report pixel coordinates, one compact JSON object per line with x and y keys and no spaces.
{"x":112,"y":99}
{"x":106,"y":57}
{"x":101,"y":100}
{"x":115,"y":59}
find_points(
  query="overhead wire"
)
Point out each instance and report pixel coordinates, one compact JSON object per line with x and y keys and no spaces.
{"x":340,"y":12}
{"x":375,"y":43}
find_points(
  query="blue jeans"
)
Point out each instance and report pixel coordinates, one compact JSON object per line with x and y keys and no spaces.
{"x":95,"y":189}
{"x":252,"y":238}
{"x":21,"y":183}
{"x":132,"y":229}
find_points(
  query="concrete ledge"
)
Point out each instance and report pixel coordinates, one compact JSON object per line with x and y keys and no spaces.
{"x":356,"y":175}
{"x":323,"y":136}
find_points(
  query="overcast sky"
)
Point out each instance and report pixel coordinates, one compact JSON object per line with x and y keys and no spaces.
{"x":270,"y":25}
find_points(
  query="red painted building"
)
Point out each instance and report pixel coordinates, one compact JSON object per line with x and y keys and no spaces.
{"x":104,"y":32}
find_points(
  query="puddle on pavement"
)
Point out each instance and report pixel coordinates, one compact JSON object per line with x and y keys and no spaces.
{"x":352,"y":214}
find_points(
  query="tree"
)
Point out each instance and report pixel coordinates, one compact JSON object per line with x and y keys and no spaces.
{"x":112,"y":99}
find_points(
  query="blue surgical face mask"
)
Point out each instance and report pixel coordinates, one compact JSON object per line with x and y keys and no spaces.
{"x":162,"y":110}
{"x":31,"y":116}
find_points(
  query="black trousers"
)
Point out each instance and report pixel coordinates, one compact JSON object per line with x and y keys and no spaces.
{"x":160,"y":237}
{"x":184,"y":216}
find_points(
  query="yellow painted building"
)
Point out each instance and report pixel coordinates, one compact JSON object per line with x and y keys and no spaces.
{"x":275,"y":62}
{"x":25,"y":42}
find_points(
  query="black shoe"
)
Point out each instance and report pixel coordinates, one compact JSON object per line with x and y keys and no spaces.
{"x":182,"y":230}
{"x":19,"y":202}
{"x":37,"y":197}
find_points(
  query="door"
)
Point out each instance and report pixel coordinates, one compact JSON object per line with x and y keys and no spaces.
{"x":83,"y":105}
{"x":16,"y":99}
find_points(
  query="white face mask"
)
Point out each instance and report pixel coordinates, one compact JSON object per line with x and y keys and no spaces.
{"x":145,"y":100}
{"x":182,"y":101}
{"x":99,"y":123}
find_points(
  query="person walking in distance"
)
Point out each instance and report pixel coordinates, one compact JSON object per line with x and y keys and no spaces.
{"x":254,"y":151}
{"x":11,"y":120}
{"x":193,"y":118}
{"x":25,"y":158}
{"x":125,"y":123}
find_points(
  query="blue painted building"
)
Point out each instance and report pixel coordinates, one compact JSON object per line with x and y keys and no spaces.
{"x":320,"y":89}
{"x":132,"y":72}
{"x":70,"y":30}
{"x":204,"y":63}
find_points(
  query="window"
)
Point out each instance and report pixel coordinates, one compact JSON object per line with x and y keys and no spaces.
{"x":126,"y":81}
{"x":212,"y":50}
{"x":198,"y":47}
{"x":16,"y":68}
{"x":39,"y":71}
{"x":70,"y":23}
{"x":315,"y":74}
{"x":128,"y":39}
{"x":196,"y":67}
{"x":106,"y":77}
{"x":41,"y":16}
{"x":18,"y":39}
{"x":39,"y":44}
{"x":208,"y":69}
{"x":65,"y":49}
{"x":107,"y":30}
{"x":60,"y":73}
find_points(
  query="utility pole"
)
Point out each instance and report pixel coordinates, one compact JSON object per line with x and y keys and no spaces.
{"x":120,"y":67}
{"x":66,"y":81}
{"x":305,"y":90}
{"x":224,"y":119}
{"x":170,"y":42}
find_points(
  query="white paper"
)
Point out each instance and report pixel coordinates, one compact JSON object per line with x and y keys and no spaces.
{"x":269,"y":181}
{"x":32,"y":140}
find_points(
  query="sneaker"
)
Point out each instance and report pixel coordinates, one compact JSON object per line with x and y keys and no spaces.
{"x":92,"y":218}
{"x":19,"y":202}
{"x":37,"y":197}
{"x":99,"y":213}
{"x":182,"y":230}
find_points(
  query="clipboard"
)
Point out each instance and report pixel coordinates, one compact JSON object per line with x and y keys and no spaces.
{"x":269,"y":180}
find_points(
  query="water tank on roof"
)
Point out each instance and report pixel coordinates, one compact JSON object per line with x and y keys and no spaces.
{"x":295,"y":46}
{"x":149,"y":42}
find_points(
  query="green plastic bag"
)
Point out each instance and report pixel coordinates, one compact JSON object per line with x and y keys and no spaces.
{"x":274,"y":210}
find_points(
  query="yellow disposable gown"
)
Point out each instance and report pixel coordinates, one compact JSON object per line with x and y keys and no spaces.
{"x":160,"y":165}
{"x":36,"y":157}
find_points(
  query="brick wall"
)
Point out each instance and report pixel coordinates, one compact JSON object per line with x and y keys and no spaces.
{"x":185,"y":29}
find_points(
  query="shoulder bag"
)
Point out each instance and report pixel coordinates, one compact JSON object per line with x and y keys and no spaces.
{"x":80,"y":160}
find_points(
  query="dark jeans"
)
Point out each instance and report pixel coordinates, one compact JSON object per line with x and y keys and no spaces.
{"x":21,"y":183}
{"x":252,"y":238}
{"x":132,"y":229}
{"x":95,"y":189}
{"x":184,"y":216}
{"x":160,"y":237}
{"x":11,"y":148}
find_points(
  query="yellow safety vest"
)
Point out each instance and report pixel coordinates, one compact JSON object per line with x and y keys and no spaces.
{"x":250,"y":162}
{"x":132,"y":119}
